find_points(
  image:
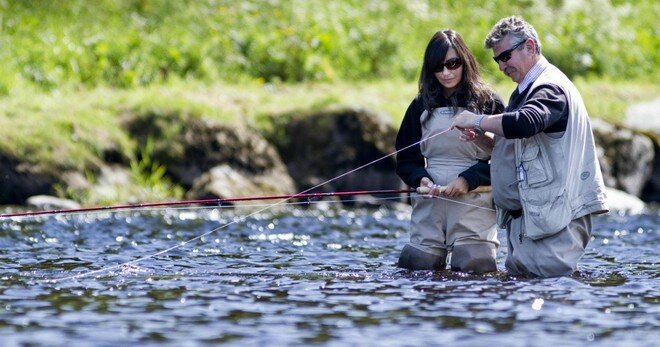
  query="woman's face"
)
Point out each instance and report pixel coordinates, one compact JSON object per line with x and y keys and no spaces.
{"x":447,"y":77}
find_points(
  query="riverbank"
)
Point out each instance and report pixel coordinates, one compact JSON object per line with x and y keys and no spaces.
{"x":92,"y":133}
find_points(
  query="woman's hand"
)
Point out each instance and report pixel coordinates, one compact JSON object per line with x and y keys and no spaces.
{"x":427,"y":187}
{"x":468,"y":135}
{"x":484,"y":141}
{"x":455,"y":188}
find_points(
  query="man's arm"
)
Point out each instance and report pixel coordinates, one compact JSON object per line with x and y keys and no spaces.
{"x":546,"y":109}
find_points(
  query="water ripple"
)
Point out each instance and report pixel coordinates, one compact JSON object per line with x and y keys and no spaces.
{"x":306,"y":276}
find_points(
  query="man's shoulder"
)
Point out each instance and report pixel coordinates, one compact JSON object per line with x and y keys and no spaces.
{"x":553,"y":75}
{"x":551,"y":83}
{"x":547,"y":87}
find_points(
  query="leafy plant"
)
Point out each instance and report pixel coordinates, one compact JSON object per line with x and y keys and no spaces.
{"x":149,"y":177}
{"x":137,"y":43}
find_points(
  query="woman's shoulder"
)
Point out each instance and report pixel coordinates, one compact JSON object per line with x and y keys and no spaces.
{"x":417,"y":104}
{"x":495,"y":96}
{"x":496,"y":103}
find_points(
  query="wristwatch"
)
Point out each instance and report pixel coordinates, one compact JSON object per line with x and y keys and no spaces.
{"x":477,"y":124}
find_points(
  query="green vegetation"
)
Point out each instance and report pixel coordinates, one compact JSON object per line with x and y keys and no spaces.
{"x":72,"y":70}
{"x":129,"y":43}
{"x":70,"y":128}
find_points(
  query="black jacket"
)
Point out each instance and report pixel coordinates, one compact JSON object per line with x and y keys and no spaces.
{"x":546,"y":109}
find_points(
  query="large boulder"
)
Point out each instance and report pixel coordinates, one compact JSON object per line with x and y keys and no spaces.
{"x":20,"y":180}
{"x":626,"y":157}
{"x":199,"y":155}
{"x":225,"y":181}
{"x":651,"y":190}
{"x":619,"y":201}
{"x":645,"y":118}
{"x":337,"y":149}
{"x":48,"y":202}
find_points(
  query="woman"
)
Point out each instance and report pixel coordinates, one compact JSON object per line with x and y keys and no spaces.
{"x":459,"y":221}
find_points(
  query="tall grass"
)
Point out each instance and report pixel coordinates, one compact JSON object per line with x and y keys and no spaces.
{"x":48,"y":44}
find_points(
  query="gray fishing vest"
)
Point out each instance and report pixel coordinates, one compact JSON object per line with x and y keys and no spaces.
{"x":559,"y":179}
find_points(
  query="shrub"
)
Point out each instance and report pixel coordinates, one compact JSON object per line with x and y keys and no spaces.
{"x":135,"y":43}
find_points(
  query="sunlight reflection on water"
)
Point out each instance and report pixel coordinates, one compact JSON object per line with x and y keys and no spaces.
{"x":306,"y":276}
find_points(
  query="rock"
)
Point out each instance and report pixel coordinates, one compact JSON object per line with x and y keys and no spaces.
{"x":644,"y":116}
{"x":626,"y":157}
{"x":110,"y":181}
{"x":212,"y":160}
{"x":47,"y":202}
{"x":651,"y":190}
{"x":619,"y":201}
{"x":225,"y":181}
{"x":20,"y":180}
{"x":189,"y":146}
{"x":76,"y":181}
{"x":337,"y":149}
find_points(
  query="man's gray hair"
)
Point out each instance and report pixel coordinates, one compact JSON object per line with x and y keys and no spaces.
{"x":517,"y":28}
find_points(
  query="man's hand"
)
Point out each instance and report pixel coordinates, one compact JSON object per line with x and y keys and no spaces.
{"x":464,"y":120}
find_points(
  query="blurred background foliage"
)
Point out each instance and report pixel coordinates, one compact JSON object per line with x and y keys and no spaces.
{"x":73,"y":69}
{"x":129,"y":43}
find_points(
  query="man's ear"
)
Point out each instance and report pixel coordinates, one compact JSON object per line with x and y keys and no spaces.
{"x":530,"y":46}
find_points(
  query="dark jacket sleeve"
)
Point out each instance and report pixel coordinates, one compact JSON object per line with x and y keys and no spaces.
{"x":479,"y":173}
{"x":410,"y":163}
{"x":546,"y":109}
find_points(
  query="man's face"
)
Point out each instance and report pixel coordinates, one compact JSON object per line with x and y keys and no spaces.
{"x":513,"y":58}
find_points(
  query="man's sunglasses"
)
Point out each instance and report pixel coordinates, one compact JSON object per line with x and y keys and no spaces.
{"x":451,"y":64}
{"x":506,"y":55}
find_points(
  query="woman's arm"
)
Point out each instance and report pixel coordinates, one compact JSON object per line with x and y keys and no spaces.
{"x":410,"y":163}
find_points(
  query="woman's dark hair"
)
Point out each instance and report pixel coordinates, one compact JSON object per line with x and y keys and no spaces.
{"x":471,"y":87}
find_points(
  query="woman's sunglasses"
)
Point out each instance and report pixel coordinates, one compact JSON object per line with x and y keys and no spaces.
{"x":451,"y":64}
{"x":506,"y":55}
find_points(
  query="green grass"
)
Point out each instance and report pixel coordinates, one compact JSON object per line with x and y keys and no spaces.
{"x":50,"y":44}
{"x":609,"y":100}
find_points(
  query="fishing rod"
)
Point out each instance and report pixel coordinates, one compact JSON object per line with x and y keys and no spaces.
{"x":208,"y":202}
{"x":243,"y":218}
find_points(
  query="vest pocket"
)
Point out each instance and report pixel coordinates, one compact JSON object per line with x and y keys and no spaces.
{"x":547,"y":212}
{"x":535,"y":162}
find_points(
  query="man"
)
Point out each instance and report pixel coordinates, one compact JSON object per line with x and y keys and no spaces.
{"x":544,"y":170}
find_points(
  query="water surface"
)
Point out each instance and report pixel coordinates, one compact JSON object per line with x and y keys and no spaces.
{"x":320,"y":275}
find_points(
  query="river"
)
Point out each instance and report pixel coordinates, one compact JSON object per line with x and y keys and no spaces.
{"x":316,"y":275}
